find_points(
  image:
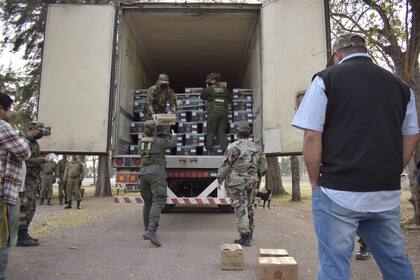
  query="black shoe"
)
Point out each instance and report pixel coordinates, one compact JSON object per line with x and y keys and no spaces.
{"x":244,"y":241}
{"x":41,"y":202}
{"x":78,"y":204}
{"x":150,"y":234}
{"x":363,"y":255}
{"x":68,"y":205}
{"x":24,"y":240}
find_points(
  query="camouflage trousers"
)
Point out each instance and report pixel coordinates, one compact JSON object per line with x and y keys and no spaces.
{"x":154,"y":192}
{"x":62,"y":189}
{"x":28,"y":203}
{"x":243,"y":203}
{"x":47,"y":182}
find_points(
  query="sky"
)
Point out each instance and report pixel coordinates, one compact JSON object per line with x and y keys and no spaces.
{"x":9,"y":58}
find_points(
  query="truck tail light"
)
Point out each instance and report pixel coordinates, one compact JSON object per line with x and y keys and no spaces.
{"x":119,"y":162}
{"x":133,"y":178}
{"x":136,"y":162}
{"x":121,"y":178}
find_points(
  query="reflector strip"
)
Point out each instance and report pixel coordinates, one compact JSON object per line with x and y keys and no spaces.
{"x":181,"y":201}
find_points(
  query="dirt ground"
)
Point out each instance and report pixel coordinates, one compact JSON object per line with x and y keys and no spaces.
{"x":103,"y":241}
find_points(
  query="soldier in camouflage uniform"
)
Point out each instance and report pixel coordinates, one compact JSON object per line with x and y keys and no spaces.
{"x":244,"y":166}
{"x":73,"y":176}
{"x":158,"y":96}
{"x":28,"y":197}
{"x":153,"y":183}
{"x":218,"y":98}
{"x":48,"y":175}
{"x":62,"y":192}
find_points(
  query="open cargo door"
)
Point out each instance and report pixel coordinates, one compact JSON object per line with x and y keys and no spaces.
{"x":294,"y":48}
{"x":75,"y":94}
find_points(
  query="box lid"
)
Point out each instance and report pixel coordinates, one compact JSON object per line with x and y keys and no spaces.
{"x":273,"y":252}
{"x":277,"y":261}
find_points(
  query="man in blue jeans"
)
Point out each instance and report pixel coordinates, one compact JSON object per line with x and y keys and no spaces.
{"x":14,"y":150}
{"x":361,"y":129}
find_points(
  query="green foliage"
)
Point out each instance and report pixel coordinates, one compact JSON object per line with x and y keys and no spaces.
{"x":20,"y":86}
{"x":391,"y":28}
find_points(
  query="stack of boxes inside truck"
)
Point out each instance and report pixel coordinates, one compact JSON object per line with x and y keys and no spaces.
{"x":191,"y":126}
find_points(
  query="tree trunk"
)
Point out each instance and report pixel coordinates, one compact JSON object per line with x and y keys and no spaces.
{"x":103,"y":185}
{"x":273,"y":180}
{"x":294,"y":163}
{"x":94,"y":169}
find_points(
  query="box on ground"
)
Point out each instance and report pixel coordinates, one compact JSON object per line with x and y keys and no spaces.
{"x":277,"y":268}
{"x":273,"y":253}
{"x":232,"y":257}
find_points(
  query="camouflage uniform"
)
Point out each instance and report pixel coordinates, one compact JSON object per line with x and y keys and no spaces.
{"x":73,"y":176}
{"x":28,"y":197}
{"x":62,"y":192}
{"x":158,"y":96}
{"x":153,"y":183}
{"x":218,"y":98}
{"x":247,"y":164}
{"x":48,"y":174}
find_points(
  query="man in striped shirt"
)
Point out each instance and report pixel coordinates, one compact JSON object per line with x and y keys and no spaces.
{"x":14,"y":150}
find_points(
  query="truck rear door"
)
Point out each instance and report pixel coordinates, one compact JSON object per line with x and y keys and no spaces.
{"x":76,"y":80}
{"x":294,"y":48}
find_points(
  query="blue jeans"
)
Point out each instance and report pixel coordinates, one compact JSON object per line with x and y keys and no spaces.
{"x":13,"y":220}
{"x":336,"y":229}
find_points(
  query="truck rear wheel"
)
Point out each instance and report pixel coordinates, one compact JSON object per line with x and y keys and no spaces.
{"x":226,"y":208}
{"x":168,"y":208}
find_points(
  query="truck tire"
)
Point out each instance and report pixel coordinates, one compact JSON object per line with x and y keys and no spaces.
{"x":226,"y":208}
{"x":168,"y":208}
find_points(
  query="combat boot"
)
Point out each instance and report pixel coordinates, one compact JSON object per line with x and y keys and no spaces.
{"x":78,"y":204}
{"x":68,"y":205}
{"x":41,"y":202}
{"x":363,"y":254}
{"x":61,"y":201}
{"x":150,"y":234}
{"x":24,"y":240}
{"x":49,"y":202}
{"x":245,"y":240}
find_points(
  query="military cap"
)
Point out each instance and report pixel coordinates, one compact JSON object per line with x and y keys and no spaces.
{"x":348,"y":40}
{"x":164,"y":79}
{"x":211,"y":76}
{"x":150,"y":124}
{"x":244,"y":127}
{"x":35,"y":124}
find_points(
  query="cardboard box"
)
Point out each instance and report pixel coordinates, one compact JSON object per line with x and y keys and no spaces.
{"x":232,"y":257}
{"x":274,"y":268}
{"x":273,"y":253}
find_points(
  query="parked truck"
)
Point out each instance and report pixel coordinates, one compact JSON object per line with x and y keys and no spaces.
{"x":96,"y":57}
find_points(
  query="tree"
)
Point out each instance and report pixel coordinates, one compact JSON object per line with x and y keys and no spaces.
{"x":20,"y":89}
{"x":294,"y":162}
{"x":273,"y":180}
{"x":103,"y":185}
{"x":392,"y":29}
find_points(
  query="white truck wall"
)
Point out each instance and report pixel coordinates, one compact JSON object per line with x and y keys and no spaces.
{"x":294,"y":49}
{"x":252,"y":79}
{"x":76,"y":78}
{"x":133,"y":75}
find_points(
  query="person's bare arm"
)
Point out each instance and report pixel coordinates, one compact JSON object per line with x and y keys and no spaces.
{"x":409,"y":146}
{"x":312,"y":153}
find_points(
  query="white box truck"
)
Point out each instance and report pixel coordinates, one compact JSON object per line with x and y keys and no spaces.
{"x":96,"y":56}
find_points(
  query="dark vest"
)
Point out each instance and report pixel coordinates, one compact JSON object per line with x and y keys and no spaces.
{"x":362,"y":147}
